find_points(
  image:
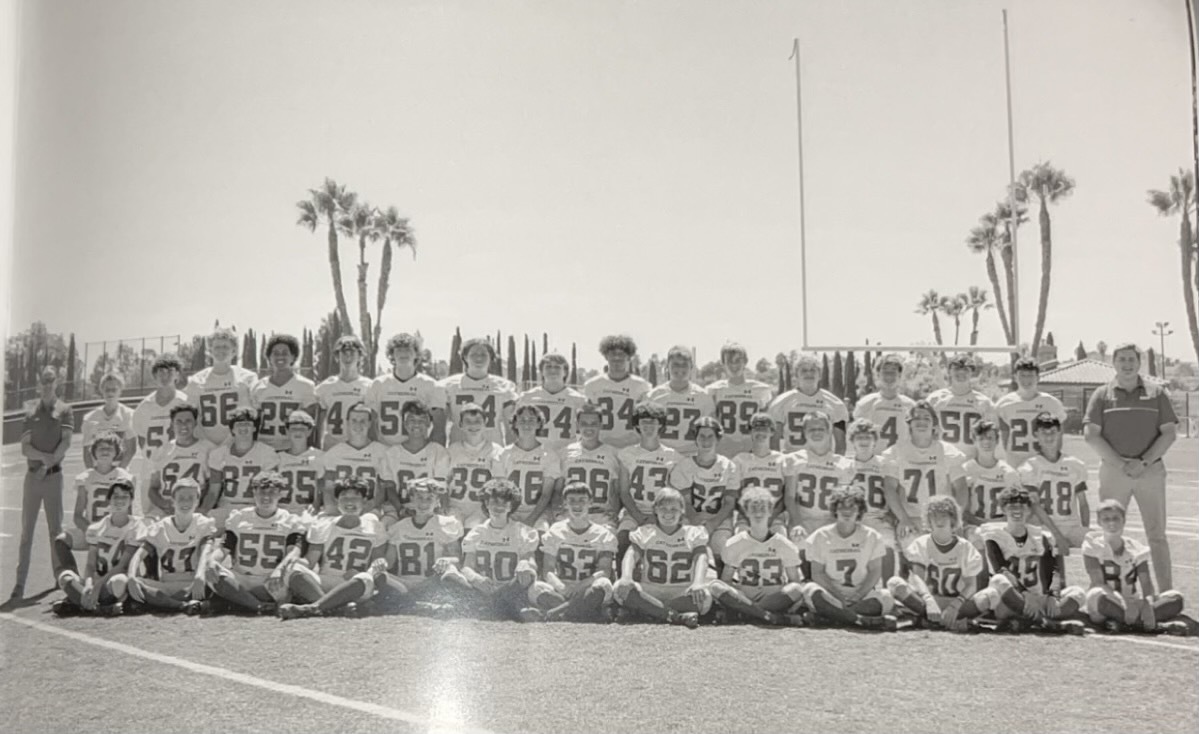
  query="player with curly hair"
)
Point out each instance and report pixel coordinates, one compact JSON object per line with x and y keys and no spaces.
{"x":282,"y":391}
{"x":535,"y":469}
{"x":644,"y":471}
{"x":617,"y":391}
{"x":943,"y":571}
{"x":389,"y":393}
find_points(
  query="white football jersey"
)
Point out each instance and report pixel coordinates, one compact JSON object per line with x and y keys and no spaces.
{"x":844,"y":559}
{"x":790,"y":408}
{"x":257,"y":544}
{"x":870,"y":475}
{"x":368,"y":462}
{"x":498,"y":550}
{"x":1021,"y":556}
{"x":709,"y":487}
{"x":760,"y":563}
{"x":676,"y":551}
{"x":173,"y":553}
{"x":576,"y":553}
{"x":682,"y":407}
{"x":111,"y":539}
{"x":647,"y":471}
{"x":336,"y":396}
{"x":304,"y":473}
{"x":558,"y":411}
{"x":274,"y":403}
{"x":945,"y":568}
{"x":492,"y":393}
{"x":419,"y":546}
{"x":598,"y":468}
{"x":734,"y":405}
{"x":470,"y":468}
{"x":534,"y":471}
{"x":958,"y":414}
{"x":616,"y":399}
{"x":889,"y":415}
{"x":1119,"y":570}
{"x":119,"y":422}
{"x":237,"y":471}
{"x":984,"y":483}
{"x":216,"y":396}
{"x":1059,"y":484}
{"x":767,"y":471}
{"x":815,"y":479}
{"x":172,"y":461}
{"x":921,"y":473}
{"x":387,"y":396}
{"x":346,"y":551}
{"x":403,"y":466}
{"x":152,"y":422}
{"x":94,"y":486}
{"x":1017,"y":414}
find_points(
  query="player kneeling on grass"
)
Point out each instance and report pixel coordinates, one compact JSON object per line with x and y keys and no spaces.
{"x":761,"y":578}
{"x":498,"y":562}
{"x":348,"y":548}
{"x":847,"y":563}
{"x":1121,"y":595}
{"x":673,"y":560}
{"x":943,"y":571}
{"x":423,"y":549}
{"x":176,"y":551}
{"x":261,"y":542}
{"x":111,"y":542}
{"x":1022,"y":563}
{"x":577,"y":559}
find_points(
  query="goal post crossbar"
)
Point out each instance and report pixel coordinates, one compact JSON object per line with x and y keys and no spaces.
{"x":1009,"y":349}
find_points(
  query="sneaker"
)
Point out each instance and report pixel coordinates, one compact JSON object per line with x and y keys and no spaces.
{"x":690,"y":620}
{"x":965,"y":626}
{"x":64,"y":608}
{"x":267,"y":609}
{"x":886,"y":623}
{"x":623,"y":616}
{"x":530,"y":614}
{"x":1012,"y":626}
{"x":349,"y":611}
{"x":292,"y":611}
{"x":133,"y":606}
{"x":110,"y":610}
{"x":1175,"y":628}
{"x":1114,"y":626}
{"x":195,"y":608}
{"x":793,"y":620}
{"x":1064,"y":626}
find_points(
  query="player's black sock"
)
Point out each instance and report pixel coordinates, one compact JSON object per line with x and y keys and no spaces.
{"x":646,"y":605}
{"x":1014,"y":601}
{"x":824,"y":606}
{"x":160,"y":599}
{"x":969,"y":610}
{"x":231,"y":591}
{"x":63,"y":557}
{"x":777,"y":602}
{"x":305,"y":588}
{"x":74,"y":591}
{"x":1110,"y":609}
{"x":341,"y":595}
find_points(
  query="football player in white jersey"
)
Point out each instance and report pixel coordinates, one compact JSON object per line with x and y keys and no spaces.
{"x":111,"y":542}
{"x":233,"y":464}
{"x":415,"y":457}
{"x":682,"y":399}
{"x":761,"y":576}
{"x":846,"y":559}
{"x":736,"y":400}
{"x":302,"y":467}
{"x":888,"y":408}
{"x":422,"y":548}
{"x":349,"y":550}
{"x":559,"y":404}
{"x":765,"y":467}
{"x":943,"y":571}
{"x":535,"y":469}
{"x":596,"y":464}
{"x":186,"y":455}
{"x":644,"y":470}
{"x":495,"y":395}
{"x":870,"y":474}
{"x":261,"y":542}
{"x":918,"y":469}
{"x":1017,"y":409}
{"x":1121,"y":594}
{"x":960,"y":406}
{"x":358,"y":456}
{"x":617,"y":391}
{"x":577,"y":561}
{"x":1061,"y":483}
{"x":709,"y":485}
{"x":388,"y":394}
{"x":986,"y":476}
{"x":1024,"y":570}
{"x":282,"y":391}
{"x":218,"y":390}
{"x":91,"y":498}
{"x":152,"y":422}
{"x":338,"y":392}
{"x":672,"y":559}
{"x":473,"y":462}
{"x":498,"y":557}
{"x":812,"y":474}
{"x":112,"y":417}
{"x":789,"y":409}
{"x":175,"y":551}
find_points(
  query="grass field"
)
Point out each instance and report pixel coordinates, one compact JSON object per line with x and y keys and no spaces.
{"x":152,"y":673}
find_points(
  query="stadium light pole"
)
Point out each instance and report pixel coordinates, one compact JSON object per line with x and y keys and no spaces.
{"x":1162,"y":333}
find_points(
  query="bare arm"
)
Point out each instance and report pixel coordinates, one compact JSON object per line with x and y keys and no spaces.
{"x":81,"y":509}
{"x":1092,"y":434}
{"x":1094,"y":571}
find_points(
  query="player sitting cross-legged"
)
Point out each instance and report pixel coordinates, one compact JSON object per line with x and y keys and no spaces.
{"x":943,"y":571}
{"x":1121,"y":596}
{"x":348,"y":548}
{"x":91,"y":493}
{"x":1022,"y":564}
{"x":498,"y":563}
{"x":846,"y":558}
{"x":175,"y":551}
{"x":422,"y":548}
{"x":111,"y":544}
{"x":761,"y":577}
{"x":673,"y":561}
{"x":261,"y":542}
{"x":577,"y":561}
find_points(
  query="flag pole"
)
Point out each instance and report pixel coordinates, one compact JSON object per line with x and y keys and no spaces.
{"x":803,"y":250}
{"x":1012,"y":217}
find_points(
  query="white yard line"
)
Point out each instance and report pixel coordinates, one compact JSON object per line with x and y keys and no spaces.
{"x":383,"y":712}
{"x":1139,"y":641}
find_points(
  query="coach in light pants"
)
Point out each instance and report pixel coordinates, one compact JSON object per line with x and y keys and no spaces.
{"x":44,"y":442}
{"x":1131,"y":425}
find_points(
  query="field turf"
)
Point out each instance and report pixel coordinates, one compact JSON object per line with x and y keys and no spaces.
{"x":180,"y":674}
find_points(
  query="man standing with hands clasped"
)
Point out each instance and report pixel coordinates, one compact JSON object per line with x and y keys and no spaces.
{"x":45,"y":439}
{"x":1131,"y":424}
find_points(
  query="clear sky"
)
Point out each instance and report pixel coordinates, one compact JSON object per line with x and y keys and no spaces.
{"x":581,"y":168}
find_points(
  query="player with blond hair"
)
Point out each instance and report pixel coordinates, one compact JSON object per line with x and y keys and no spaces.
{"x":617,"y":391}
{"x":736,"y":400}
{"x":422,"y":548}
{"x":111,"y":417}
{"x":789,"y":409}
{"x":943,"y":571}
{"x":218,"y":390}
{"x":389,"y":393}
{"x":559,"y":404}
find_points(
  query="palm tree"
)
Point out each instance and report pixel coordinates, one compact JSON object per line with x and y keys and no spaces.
{"x":393,"y":230}
{"x":1003,"y":224}
{"x":931,"y":303}
{"x":1180,"y":200}
{"x":1050,"y":185}
{"x":358,"y":223}
{"x":324,"y":206}
{"x":986,"y":238}
{"x":976,"y":300}
{"x":954,"y":307}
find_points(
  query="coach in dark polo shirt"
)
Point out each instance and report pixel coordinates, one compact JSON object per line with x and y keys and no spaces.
{"x":1131,"y":424}
{"x":44,"y":442}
